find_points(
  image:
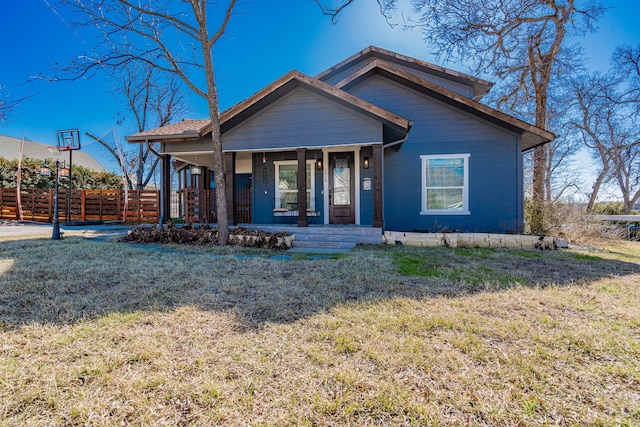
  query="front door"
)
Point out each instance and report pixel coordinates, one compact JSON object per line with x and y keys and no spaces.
{"x":341,"y":189}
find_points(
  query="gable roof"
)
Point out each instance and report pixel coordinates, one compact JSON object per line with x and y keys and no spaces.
{"x":531,"y":135}
{"x":295,"y":79}
{"x":10,"y":150}
{"x":396,"y":127}
{"x":480,"y":86}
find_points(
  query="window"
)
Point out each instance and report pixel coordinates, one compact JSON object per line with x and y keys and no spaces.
{"x":445,"y":184}
{"x":287,"y":184}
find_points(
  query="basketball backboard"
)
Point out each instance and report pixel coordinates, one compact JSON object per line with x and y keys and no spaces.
{"x":68,"y":139}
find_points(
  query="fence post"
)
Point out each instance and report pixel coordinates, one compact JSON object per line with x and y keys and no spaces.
{"x":51,"y":197}
{"x":83,"y":205}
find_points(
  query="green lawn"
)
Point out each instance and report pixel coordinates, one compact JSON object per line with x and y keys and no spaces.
{"x":105,"y":333}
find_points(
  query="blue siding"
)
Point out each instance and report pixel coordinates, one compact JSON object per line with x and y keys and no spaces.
{"x":243,"y":180}
{"x":495,"y":168}
{"x":302,"y":119}
{"x":366,"y":196}
{"x":264,"y":184}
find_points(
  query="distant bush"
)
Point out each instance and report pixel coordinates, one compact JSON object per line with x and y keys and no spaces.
{"x":83,"y":178}
{"x":610,"y":208}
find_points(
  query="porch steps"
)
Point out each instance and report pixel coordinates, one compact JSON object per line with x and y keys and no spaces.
{"x":325,"y":239}
{"x":324,"y":242}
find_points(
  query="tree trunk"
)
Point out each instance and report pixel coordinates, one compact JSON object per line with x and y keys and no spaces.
{"x":216,"y":142}
{"x":596,"y":188}
{"x":628,"y":207}
{"x":140,"y":177}
{"x":540,"y":155}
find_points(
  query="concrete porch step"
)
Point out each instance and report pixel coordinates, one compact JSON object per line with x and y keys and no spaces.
{"x":318,"y":250}
{"x":312,"y":242}
{"x":324,"y":237}
{"x":323,"y":245}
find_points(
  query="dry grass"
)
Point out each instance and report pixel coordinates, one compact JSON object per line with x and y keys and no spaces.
{"x":95,"y":333}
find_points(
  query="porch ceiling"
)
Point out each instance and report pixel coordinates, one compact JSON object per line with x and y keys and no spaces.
{"x":200,"y":159}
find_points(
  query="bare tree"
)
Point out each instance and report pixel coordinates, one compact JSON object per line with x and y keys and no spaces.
{"x":153,"y":100}
{"x":609,"y":127}
{"x":593,"y":122}
{"x":8,"y":104}
{"x":626,"y":160}
{"x":626,"y":66}
{"x":560,"y":178}
{"x":173,"y":36}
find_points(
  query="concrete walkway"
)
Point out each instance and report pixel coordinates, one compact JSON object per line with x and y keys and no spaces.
{"x":35,"y":229}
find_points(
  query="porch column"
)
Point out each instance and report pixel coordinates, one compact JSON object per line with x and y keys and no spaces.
{"x":377,"y":185}
{"x":230,"y":183}
{"x":165,"y":189}
{"x":302,"y":187}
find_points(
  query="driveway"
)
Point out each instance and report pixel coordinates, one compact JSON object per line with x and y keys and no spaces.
{"x":34,"y":229}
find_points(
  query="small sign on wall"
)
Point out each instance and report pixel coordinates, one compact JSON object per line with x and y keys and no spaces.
{"x":366,"y":184}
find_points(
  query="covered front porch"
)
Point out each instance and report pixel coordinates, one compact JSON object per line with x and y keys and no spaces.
{"x":338,"y":185}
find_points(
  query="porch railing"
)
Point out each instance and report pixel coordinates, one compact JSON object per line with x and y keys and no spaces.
{"x":186,"y":204}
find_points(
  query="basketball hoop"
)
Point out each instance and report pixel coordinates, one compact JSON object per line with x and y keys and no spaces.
{"x":68,"y":140}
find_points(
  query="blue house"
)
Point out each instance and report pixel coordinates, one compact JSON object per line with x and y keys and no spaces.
{"x":383,"y":140}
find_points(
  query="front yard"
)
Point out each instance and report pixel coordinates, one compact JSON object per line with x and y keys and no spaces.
{"x":105,"y":333}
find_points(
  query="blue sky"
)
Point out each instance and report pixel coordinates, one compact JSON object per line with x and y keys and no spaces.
{"x":266,"y":39}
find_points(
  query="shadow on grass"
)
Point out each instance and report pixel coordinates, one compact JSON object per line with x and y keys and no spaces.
{"x":74,"y":279}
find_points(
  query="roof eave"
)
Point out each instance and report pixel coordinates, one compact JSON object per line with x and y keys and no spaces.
{"x":480,"y":86}
{"x":185,"y":136}
{"x":186,"y":130}
{"x":531,"y":140}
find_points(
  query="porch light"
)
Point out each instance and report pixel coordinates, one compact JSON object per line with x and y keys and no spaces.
{"x":365,"y":163}
{"x":319,"y":164}
{"x":45,"y":170}
{"x":64,"y":170}
{"x":264,"y":158}
{"x":196,"y":170}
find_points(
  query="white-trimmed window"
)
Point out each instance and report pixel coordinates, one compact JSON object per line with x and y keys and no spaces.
{"x":445,"y":184}
{"x":287,"y":184}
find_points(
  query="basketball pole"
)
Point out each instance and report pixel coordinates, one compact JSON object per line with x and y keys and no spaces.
{"x":55,"y":235}
{"x":69,"y":188}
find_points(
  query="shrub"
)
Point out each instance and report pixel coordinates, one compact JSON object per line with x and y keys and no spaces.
{"x":541,"y":218}
{"x":609,"y":208}
{"x":83,"y":178}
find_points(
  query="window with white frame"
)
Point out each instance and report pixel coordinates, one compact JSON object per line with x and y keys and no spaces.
{"x":287,"y":184}
{"x":445,"y":184}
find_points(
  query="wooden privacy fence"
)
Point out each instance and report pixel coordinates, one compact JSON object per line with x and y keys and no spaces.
{"x":86,"y":205}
